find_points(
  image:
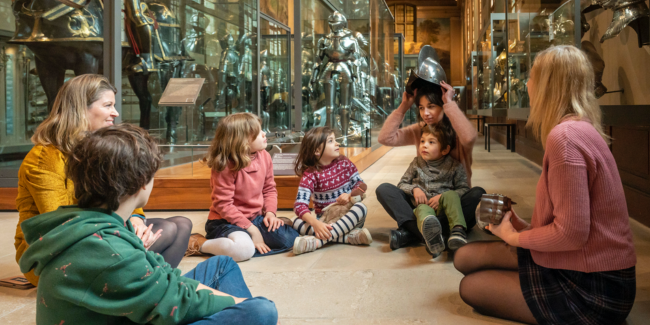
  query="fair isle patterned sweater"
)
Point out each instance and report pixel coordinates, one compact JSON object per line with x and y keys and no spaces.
{"x":339,"y":177}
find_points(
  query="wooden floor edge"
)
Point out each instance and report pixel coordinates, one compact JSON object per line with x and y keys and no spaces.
{"x":169,"y":197}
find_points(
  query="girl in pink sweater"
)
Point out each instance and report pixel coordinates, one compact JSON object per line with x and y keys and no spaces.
{"x":436,"y":105}
{"x":242,"y":222}
{"x":575,"y":262}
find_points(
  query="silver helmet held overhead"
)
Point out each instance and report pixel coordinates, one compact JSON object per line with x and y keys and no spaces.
{"x":337,"y":21}
{"x":429,"y":71}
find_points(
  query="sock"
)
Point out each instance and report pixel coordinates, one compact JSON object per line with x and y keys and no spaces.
{"x":237,"y":245}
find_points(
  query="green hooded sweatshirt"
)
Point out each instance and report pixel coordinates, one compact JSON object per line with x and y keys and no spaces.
{"x":94,"y":270}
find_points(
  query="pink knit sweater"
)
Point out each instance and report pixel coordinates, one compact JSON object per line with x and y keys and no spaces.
{"x":240,"y":197}
{"x":580,"y":221}
{"x":391,"y":135}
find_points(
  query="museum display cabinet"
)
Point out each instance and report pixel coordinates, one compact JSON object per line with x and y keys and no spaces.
{"x":245,"y":52}
{"x":509,"y":36}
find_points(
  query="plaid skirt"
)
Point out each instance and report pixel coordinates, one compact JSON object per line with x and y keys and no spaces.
{"x":571,"y":297}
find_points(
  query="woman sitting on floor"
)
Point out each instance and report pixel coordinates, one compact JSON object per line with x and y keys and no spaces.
{"x":575,"y":262}
{"x":84,"y":104}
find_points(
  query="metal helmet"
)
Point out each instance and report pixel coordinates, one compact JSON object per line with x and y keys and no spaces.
{"x":337,"y":21}
{"x":429,"y":71}
{"x":264,"y":55}
{"x":625,"y":12}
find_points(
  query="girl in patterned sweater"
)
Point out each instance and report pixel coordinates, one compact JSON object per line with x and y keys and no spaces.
{"x":331,"y":178}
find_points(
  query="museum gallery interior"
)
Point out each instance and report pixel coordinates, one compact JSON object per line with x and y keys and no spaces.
{"x":181,"y":66}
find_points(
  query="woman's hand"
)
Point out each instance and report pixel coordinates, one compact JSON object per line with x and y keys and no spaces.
{"x":420,"y":197}
{"x":518,"y":223}
{"x":434,"y":202}
{"x":505,"y":231}
{"x":448,"y":92}
{"x":272,"y":222}
{"x":321,"y":230}
{"x":343,"y":199}
{"x":146,"y":234}
{"x":258,"y":240}
{"x":407,"y":100}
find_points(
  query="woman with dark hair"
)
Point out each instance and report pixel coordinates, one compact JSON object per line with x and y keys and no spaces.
{"x":436,"y":105}
{"x":84,"y":104}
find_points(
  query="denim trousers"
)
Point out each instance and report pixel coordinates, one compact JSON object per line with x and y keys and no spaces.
{"x":279,"y":241}
{"x":223,"y":274}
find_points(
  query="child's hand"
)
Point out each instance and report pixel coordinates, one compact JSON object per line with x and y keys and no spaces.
{"x":434,"y":202}
{"x":420,"y":197}
{"x":258,"y":240}
{"x":271,"y":221}
{"x":322,"y":230}
{"x":343,"y":199}
{"x":146,"y":234}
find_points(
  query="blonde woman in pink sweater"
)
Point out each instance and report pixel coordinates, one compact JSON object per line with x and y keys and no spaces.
{"x":435,"y":105}
{"x":575,"y":262}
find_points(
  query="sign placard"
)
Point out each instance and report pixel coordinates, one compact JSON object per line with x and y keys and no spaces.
{"x":181,"y":92}
{"x":284,"y":163}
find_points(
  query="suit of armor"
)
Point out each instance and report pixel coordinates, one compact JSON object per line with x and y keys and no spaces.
{"x":265,"y":89}
{"x":307,"y":111}
{"x":228,"y":74}
{"x":279,"y":105}
{"x":342,"y":51}
{"x":246,"y":70}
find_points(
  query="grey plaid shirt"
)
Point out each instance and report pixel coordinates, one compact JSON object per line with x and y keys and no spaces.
{"x":435,"y":177}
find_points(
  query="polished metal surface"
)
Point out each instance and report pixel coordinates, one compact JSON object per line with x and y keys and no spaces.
{"x":625,"y":12}
{"x":428,"y":71}
{"x":342,"y":51}
{"x":492,"y":208}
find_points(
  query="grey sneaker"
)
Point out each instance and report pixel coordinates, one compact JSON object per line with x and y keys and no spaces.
{"x":432,"y":232}
{"x":359,"y":237}
{"x":305,"y":244}
{"x":457,"y":239}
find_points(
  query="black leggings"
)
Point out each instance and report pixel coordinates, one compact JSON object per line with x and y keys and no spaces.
{"x":399,"y":207}
{"x":174,"y":238}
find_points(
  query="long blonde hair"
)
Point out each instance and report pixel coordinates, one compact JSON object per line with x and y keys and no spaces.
{"x":563,"y":80}
{"x":67,"y":122}
{"x":231,"y":144}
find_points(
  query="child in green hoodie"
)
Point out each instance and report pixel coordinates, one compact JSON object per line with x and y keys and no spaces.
{"x":94,"y":269}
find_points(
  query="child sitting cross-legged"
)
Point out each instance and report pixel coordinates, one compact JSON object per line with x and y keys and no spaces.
{"x":94,"y":269}
{"x":436,"y":181}
{"x":331,"y":178}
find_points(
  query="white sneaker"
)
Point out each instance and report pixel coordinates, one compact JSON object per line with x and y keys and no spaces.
{"x":305,"y":244}
{"x":360,"y":237}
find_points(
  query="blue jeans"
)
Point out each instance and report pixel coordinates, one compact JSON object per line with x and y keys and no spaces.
{"x":279,"y":241}
{"x":223,"y":274}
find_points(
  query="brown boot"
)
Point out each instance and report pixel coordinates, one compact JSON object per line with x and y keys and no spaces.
{"x":287,"y":221}
{"x":194,"y":246}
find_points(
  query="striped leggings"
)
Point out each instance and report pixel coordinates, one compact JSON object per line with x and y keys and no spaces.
{"x":355,"y":218}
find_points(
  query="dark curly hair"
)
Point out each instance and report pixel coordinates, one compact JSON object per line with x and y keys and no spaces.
{"x":112,"y":163}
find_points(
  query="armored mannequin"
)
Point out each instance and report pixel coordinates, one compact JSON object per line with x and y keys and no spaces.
{"x":228,"y":73}
{"x":342,"y":51}
{"x":195,"y":36}
{"x":246,"y":69}
{"x":307,"y":112}
{"x":265,"y":89}
{"x":279,"y":105}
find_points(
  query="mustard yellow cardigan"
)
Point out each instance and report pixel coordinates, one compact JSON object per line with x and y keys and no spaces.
{"x":42,"y":187}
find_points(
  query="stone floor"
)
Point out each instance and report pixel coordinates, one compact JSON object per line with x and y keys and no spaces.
{"x":363,"y":285}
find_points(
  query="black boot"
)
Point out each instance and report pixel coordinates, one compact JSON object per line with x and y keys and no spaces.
{"x":402,"y":238}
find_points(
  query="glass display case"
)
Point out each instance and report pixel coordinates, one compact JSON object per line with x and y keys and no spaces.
{"x":511,"y":35}
{"x":244,"y":54}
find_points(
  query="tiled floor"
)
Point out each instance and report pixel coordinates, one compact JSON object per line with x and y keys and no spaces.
{"x":363,"y":285}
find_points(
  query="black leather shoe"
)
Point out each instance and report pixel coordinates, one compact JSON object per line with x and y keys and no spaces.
{"x":401,"y":238}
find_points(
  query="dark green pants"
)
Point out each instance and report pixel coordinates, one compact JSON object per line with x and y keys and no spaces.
{"x":449,"y":203}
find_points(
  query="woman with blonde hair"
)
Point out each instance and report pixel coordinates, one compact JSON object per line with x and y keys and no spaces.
{"x":575,"y":262}
{"x":84,"y":104}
